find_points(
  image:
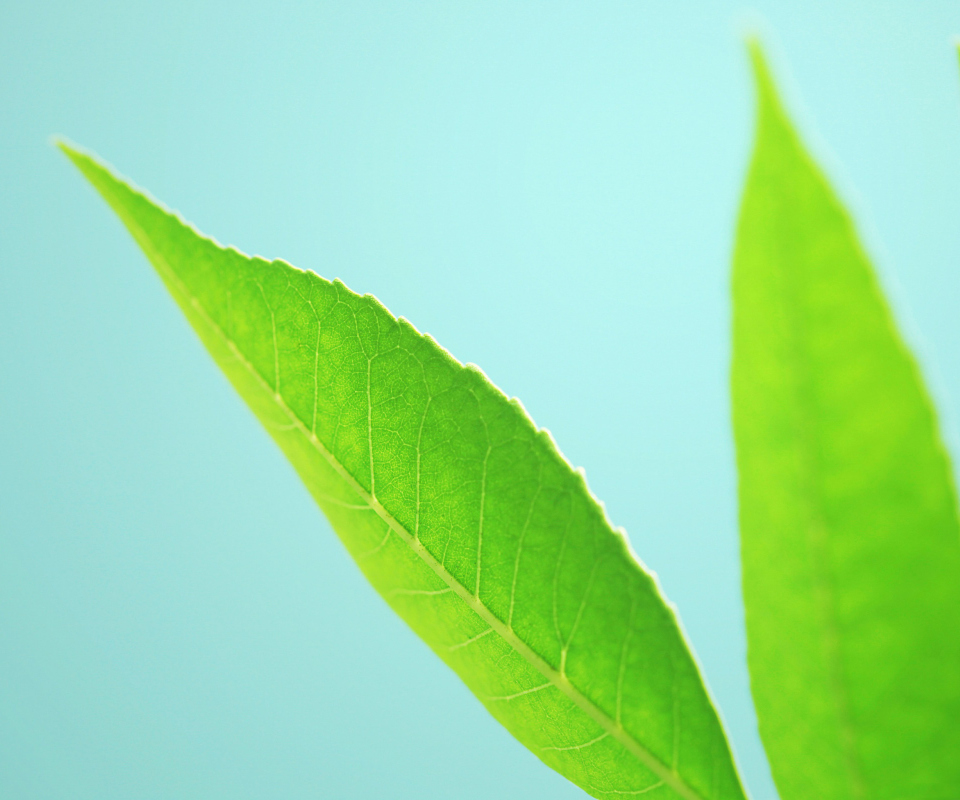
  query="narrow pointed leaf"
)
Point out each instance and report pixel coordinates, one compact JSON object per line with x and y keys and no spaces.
{"x":849,"y":533}
{"x":460,"y":512}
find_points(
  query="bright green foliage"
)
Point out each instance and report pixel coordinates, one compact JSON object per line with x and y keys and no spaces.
{"x":461,"y":513}
{"x":850,"y":539}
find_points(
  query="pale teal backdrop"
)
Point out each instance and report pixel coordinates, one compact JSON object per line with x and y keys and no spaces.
{"x":549,"y":188}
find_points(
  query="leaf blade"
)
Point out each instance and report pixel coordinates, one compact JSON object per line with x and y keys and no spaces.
{"x":849,"y":536}
{"x":442,"y":490}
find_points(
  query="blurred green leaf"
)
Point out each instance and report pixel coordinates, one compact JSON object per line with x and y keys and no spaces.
{"x":460,"y":512}
{"x":848,"y":515}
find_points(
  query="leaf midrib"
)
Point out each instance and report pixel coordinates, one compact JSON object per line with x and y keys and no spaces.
{"x":559,"y":680}
{"x":817,"y":532}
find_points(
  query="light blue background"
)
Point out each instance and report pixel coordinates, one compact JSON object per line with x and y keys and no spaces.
{"x":549,"y":189}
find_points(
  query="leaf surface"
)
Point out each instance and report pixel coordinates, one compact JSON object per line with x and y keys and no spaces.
{"x":849,"y":536}
{"x":460,"y":512}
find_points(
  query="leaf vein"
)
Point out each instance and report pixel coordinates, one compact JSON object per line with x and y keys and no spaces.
{"x":630,"y":743}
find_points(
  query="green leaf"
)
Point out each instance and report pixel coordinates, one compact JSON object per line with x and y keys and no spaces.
{"x":848,"y":515}
{"x":460,"y":512}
